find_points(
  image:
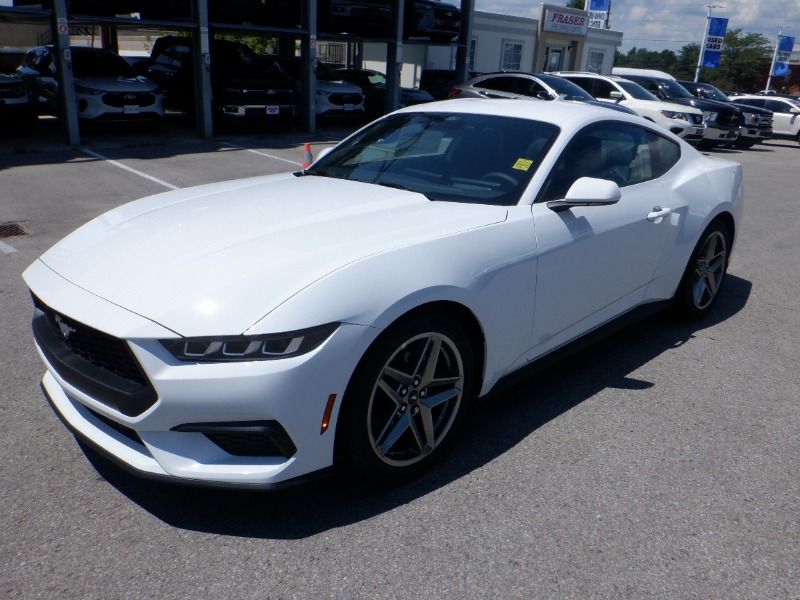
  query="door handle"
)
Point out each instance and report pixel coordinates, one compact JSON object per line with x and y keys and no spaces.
{"x":657,"y":213}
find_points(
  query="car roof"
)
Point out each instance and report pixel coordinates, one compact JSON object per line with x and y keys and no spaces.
{"x":588,"y":74}
{"x":566,"y":115}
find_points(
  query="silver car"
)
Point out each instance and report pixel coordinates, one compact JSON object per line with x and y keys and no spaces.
{"x":527,"y":85}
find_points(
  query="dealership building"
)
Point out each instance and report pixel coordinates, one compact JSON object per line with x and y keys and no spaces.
{"x":558,"y":38}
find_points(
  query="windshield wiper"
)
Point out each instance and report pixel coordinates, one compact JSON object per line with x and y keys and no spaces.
{"x":397,"y":186}
{"x":316,"y":172}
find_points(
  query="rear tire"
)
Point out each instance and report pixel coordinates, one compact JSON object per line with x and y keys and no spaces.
{"x":407,"y":399}
{"x":705,"y":272}
{"x":740,"y":143}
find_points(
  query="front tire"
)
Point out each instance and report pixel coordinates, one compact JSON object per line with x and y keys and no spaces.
{"x":407,"y":399}
{"x":705,"y":272}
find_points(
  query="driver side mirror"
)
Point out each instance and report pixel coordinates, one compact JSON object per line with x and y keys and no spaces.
{"x":544,"y":95}
{"x":794,"y":111}
{"x":616,"y":96}
{"x":587,"y":191}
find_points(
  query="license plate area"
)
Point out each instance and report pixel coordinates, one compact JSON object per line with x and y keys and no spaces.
{"x":273,"y":110}
{"x":131,"y":109}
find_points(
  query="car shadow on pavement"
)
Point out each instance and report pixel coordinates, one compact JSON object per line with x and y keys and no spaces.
{"x":497,"y":425}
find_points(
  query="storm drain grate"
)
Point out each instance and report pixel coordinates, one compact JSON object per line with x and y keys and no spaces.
{"x":11,"y":230}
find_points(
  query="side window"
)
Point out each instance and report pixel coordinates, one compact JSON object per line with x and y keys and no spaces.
{"x":583,"y":83}
{"x":619,"y":152}
{"x":500,"y":84}
{"x":529,"y":87}
{"x":777,"y":106}
{"x":603,"y":89}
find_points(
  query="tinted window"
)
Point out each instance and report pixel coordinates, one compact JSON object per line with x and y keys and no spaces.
{"x":565,"y":89}
{"x":482,"y":159}
{"x":760,"y":102}
{"x":584,"y":83}
{"x":100,"y":64}
{"x":500,"y":84}
{"x":636,"y":91}
{"x":620,"y":152}
{"x":603,"y":89}
{"x":778,"y":106}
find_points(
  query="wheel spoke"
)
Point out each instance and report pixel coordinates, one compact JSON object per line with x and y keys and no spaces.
{"x":431,"y":362}
{"x":437,"y":399}
{"x":389,"y":391}
{"x":398,"y":375}
{"x":389,"y":423}
{"x":712,"y":283}
{"x":396,"y":432}
{"x":456,"y":379}
{"x":424,"y":447}
{"x":426,"y":415}
{"x":711,"y":247}
{"x":699,"y":290}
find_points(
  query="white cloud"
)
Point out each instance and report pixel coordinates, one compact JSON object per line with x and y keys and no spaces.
{"x":674,"y":23}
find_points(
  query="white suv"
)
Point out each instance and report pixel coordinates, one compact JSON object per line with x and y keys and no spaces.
{"x":785,"y":113}
{"x":684,"y":121}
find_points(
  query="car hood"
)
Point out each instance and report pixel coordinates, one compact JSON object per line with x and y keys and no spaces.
{"x":337,"y":87}
{"x":213,"y":260}
{"x":117,"y":84}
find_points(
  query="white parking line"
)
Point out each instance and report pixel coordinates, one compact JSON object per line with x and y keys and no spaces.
{"x":7,"y":248}
{"x":129,"y":169}
{"x":286,"y":160}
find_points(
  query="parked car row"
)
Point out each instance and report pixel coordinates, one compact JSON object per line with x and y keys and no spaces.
{"x":698,"y":113}
{"x":434,"y":20}
{"x":244,"y":85}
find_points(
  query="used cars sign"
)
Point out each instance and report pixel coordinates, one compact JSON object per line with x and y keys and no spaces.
{"x":565,"y":22}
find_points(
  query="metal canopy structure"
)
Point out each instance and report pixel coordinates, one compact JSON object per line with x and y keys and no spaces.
{"x":202,"y":30}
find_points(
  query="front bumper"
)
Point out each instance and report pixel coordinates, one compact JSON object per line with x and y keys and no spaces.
{"x":95,"y":107}
{"x":167,"y":439}
{"x":754,"y":133}
{"x":720,"y":134}
{"x":258,"y":111}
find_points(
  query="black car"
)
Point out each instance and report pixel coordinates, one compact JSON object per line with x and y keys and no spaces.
{"x":16,"y":110}
{"x":431,"y":19}
{"x":757,"y":124}
{"x":243,"y":84}
{"x":373,"y":83}
{"x":722,"y":120}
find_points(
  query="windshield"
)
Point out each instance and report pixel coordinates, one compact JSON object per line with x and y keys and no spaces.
{"x":635,"y":90}
{"x":480,"y":159}
{"x":675,"y":89}
{"x":100,"y":64}
{"x":566,"y":89}
{"x":709,"y":91}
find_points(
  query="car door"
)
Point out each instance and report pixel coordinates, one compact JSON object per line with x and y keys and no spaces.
{"x":784,"y":121}
{"x":596,"y":262}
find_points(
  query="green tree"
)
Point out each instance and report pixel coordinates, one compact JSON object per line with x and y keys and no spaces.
{"x":576,"y":4}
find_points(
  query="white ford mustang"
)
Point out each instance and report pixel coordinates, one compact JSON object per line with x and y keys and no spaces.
{"x":256,"y":331}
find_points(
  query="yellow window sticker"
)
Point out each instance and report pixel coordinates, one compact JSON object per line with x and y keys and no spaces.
{"x":522,"y":164}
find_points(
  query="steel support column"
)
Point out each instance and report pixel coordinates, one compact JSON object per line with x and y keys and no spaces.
{"x":308,"y":50}
{"x":202,"y":71}
{"x":394,"y":58}
{"x":68,"y":105}
{"x":464,"y":38}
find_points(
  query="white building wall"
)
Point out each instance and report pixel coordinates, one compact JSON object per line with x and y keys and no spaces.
{"x":413,"y":61}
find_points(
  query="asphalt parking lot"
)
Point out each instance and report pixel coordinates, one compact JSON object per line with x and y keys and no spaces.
{"x":662,"y":462}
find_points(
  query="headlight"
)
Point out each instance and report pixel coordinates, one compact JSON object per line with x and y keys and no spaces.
{"x":670,"y":114}
{"x":750,"y":119}
{"x":85,"y":90}
{"x":709,"y":116}
{"x":249,"y":347}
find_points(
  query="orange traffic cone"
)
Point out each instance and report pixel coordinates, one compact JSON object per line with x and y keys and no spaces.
{"x":308,"y":158}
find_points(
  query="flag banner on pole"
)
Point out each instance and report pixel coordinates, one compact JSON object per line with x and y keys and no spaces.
{"x":785,"y":46}
{"x":714,"y":41}
{"x":598,"y":13}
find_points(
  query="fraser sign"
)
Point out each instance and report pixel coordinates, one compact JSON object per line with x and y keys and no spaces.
{"x":565,"y":22}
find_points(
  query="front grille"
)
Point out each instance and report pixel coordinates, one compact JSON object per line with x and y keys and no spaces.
{"x":245,"y":444}
{"x":12,"y":91}
{"x":120,"y":99}
{"x":245,"y":438}
{"x":96,"y":363}
{"x":118,"y":427}
{"x":729,"y":119}
{"x":341,"y":99}
{"x":696,"y":119}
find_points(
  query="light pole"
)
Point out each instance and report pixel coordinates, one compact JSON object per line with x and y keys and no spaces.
{"x":703,"y":43}
{"x":774,"y":57}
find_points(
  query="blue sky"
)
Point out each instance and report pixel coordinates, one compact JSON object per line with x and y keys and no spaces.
{"x":671,"y":24}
